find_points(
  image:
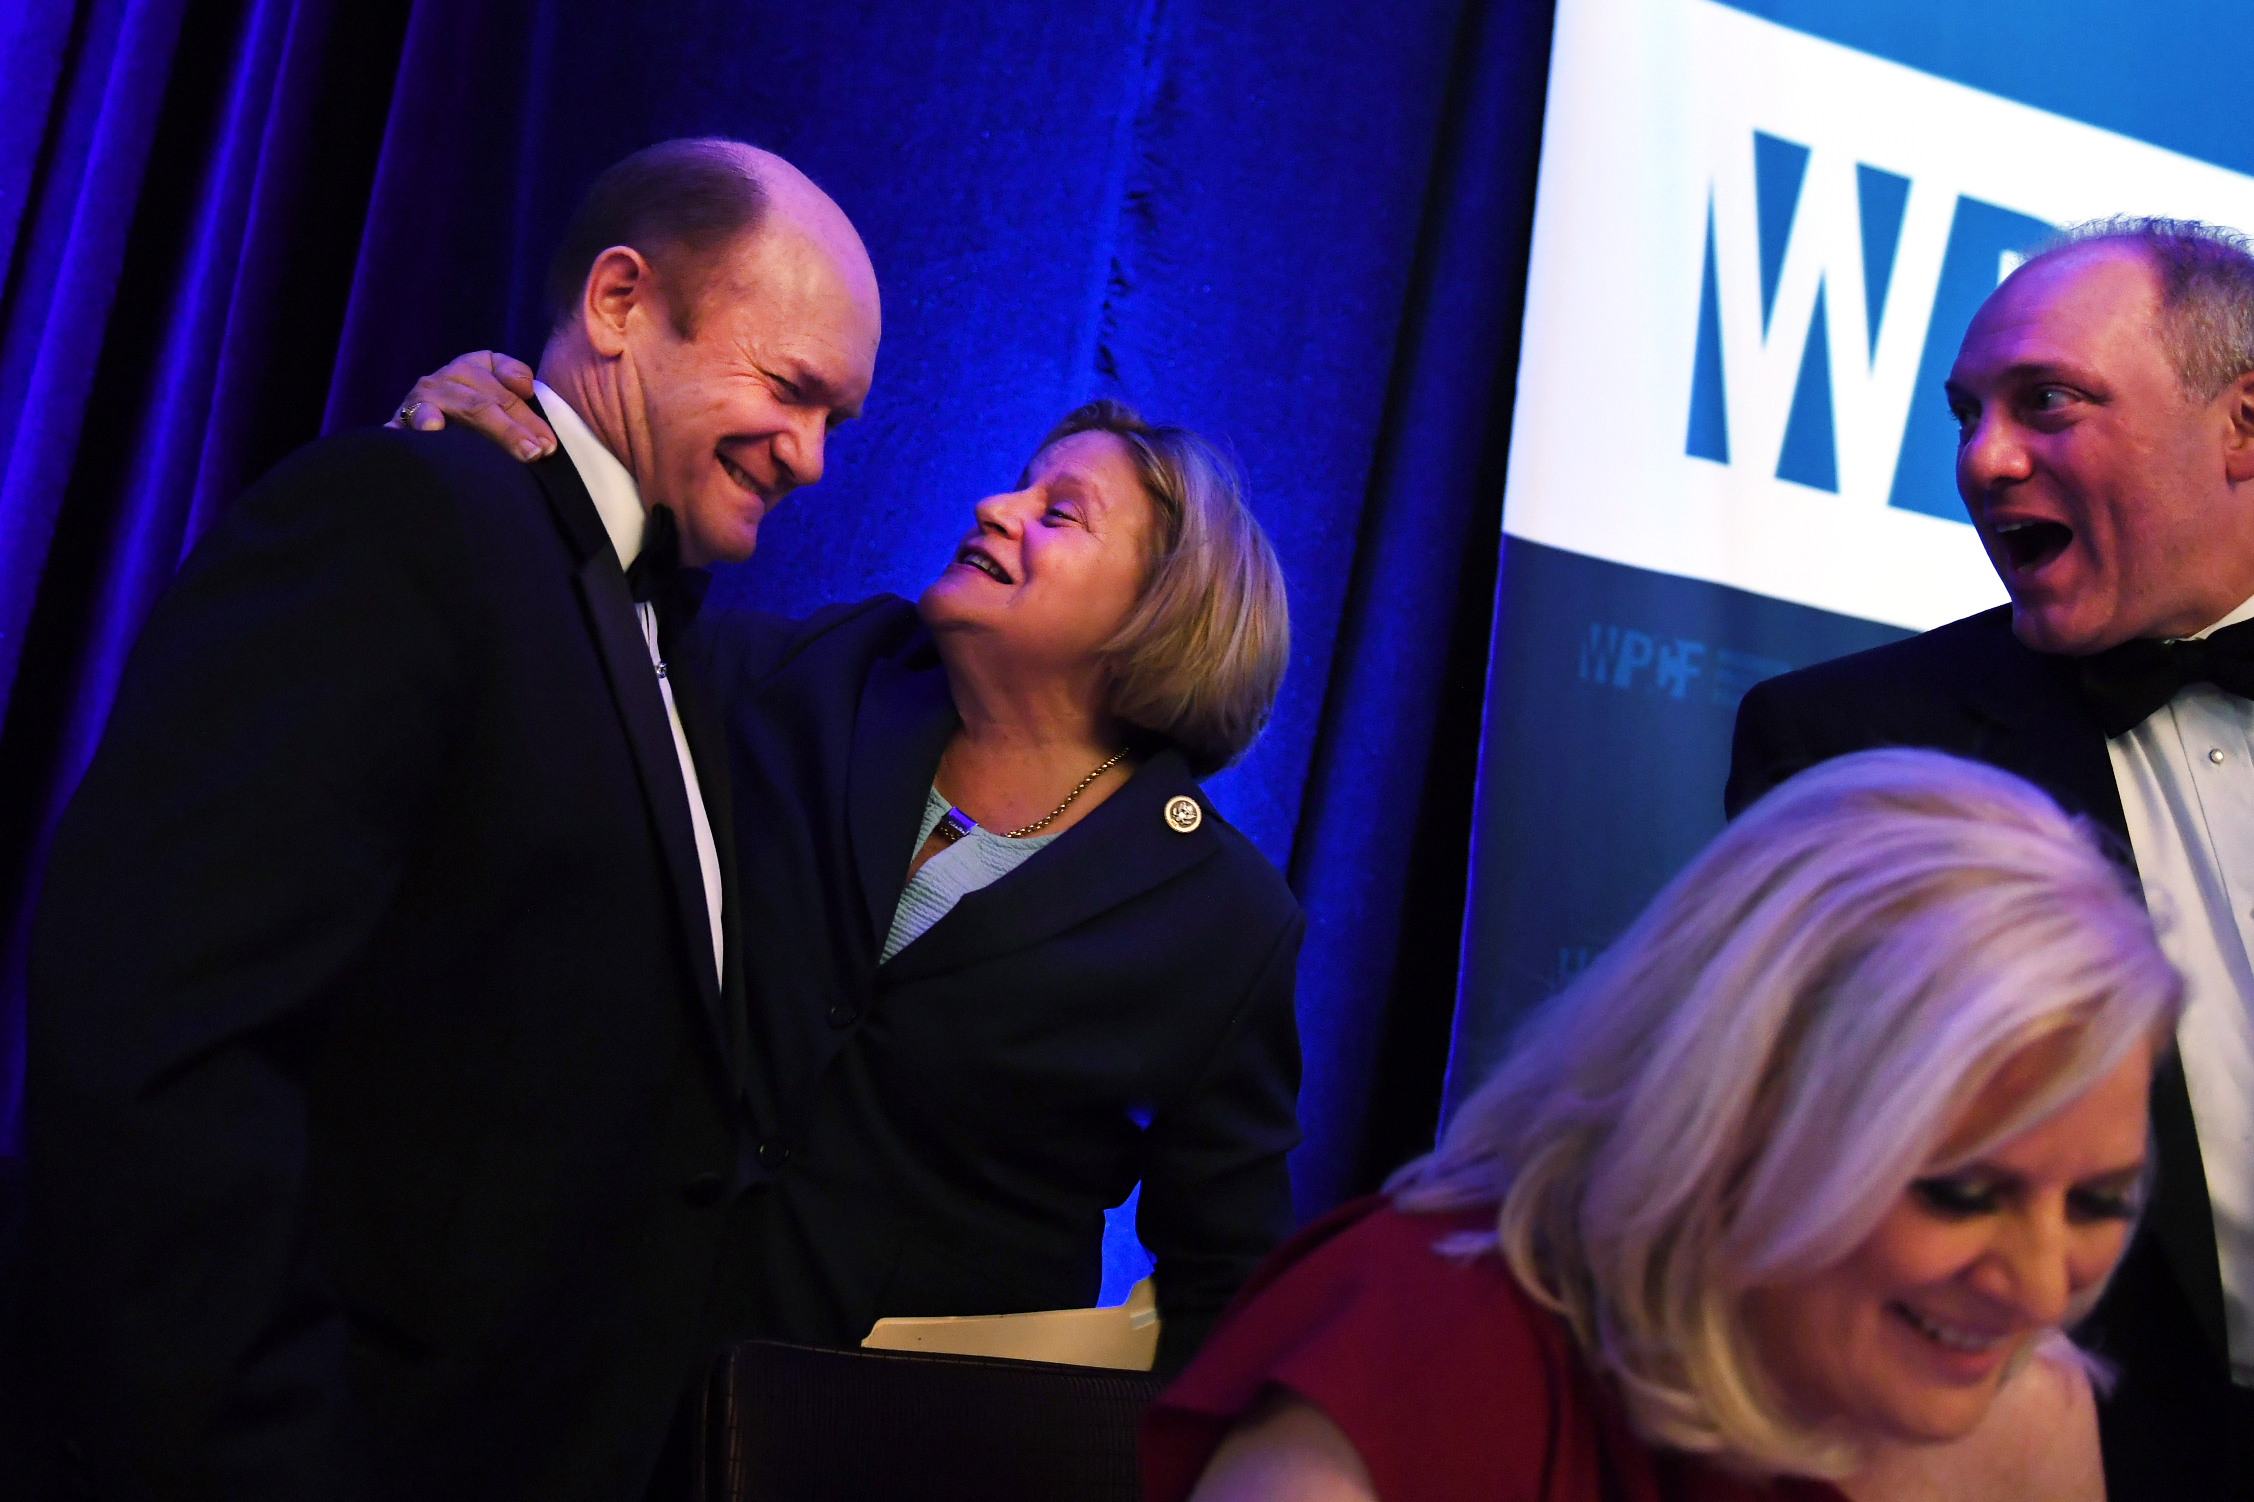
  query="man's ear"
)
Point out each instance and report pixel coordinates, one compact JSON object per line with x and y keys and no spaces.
{"x":2237,"y":403}
{"x":619,"y":282}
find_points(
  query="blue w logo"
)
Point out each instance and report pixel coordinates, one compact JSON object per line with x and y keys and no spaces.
{"x":1855,"y":421}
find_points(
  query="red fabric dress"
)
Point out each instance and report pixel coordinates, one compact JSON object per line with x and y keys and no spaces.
{"x":1451,"y":1382}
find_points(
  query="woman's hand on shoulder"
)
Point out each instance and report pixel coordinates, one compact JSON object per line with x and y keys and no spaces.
{"x":1285,"y":1450}
{"x":485,"y":390}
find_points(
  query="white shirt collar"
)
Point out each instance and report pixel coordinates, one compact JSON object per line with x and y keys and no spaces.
{"x":618,"y":500}
{"x":2245,"y":612}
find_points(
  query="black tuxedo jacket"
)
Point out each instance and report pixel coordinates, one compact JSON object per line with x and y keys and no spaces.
{"x":945,"y":1130}
{"x":382,"y":1098}
{"x":1971,"y":688}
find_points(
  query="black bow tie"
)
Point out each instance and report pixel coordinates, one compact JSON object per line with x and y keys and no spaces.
{"x":2128,"y":682}
{"x":656,"y":575}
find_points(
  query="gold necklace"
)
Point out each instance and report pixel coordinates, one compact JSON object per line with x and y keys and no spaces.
{"x":1085,"y":783}
{"x":1046,"y":819}
{"x":954,"y":824}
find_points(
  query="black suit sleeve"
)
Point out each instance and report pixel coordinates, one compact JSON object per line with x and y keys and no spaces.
{"x":265,"y":779}
{"x":1216,"y":1196}
{"x":739,"y":645}
{"x":1769,"y":746}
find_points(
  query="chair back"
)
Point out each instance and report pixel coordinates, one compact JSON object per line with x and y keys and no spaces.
{"x":785,"y":1423}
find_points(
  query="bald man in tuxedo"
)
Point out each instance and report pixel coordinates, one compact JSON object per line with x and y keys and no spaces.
{"x":389,"y":1069}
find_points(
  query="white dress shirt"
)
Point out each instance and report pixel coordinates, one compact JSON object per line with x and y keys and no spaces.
{"x":618,"y":500}
{"x":2186,"y":778}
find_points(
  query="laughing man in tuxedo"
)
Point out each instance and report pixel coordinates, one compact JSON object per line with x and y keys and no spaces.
{"x":2105,"y":396}
{"x":388,"y":1044}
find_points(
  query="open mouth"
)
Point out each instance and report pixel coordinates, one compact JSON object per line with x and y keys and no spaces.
{"x":2031,"y":544}
{"x":973,"y":558}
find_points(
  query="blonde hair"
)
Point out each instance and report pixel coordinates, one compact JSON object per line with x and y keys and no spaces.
{"x":1201,"y":655}
{"x":1741,"y":1087}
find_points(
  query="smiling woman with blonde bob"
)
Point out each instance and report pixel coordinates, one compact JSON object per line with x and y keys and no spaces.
{"x":1014,"y":961}
{"x":1786,"y":1189}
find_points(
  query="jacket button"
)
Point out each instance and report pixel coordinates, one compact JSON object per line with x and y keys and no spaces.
{"x":842,"y":1015}
{"x":773,"y":1154}
{"x":705,"y":1189}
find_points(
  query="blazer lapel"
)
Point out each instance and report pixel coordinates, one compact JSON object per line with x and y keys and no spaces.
{"x":2038,"y":725}
{"x":625,"y":655}
{"x":905,"y":718}
{"x":1121,"y":850}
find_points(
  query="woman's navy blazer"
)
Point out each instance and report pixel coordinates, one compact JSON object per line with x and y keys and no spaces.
{"x":942,"y":1133}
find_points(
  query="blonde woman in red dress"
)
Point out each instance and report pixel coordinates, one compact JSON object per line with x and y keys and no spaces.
{"x":1779,"y":1200}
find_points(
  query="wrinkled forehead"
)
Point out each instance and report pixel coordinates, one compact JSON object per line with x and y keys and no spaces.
{"x":786,"y":296}
{"x":793,"y":202}
{"x":2087,"y":304}
{"x":778,"y":263}
{"x":1099,"y":459}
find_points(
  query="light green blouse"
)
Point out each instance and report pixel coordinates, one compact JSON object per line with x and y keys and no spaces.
{"x":978,"y":859}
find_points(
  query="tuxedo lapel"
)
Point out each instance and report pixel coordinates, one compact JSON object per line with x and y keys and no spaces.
{"x":905,"y":718}
{"x":2181,"y":1217}
{"x":625,"y":655}
{"x":1123,"y":849}
{"x":2038,"y":724}
{"x":2034,"y":721}
{"x":708,"y":748}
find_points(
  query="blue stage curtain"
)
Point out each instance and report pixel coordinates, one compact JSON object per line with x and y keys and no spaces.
{"x":1300,"y":229}
{"x":182,"y":187}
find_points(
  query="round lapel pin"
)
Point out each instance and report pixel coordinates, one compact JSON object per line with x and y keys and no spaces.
{"x":1182,"y":814}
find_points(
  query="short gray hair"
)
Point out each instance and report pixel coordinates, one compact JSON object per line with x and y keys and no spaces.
{"x":2206,"y":274}
{"x":1740,"y":1089}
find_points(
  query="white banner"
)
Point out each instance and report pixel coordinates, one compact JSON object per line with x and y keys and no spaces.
{"x":1705,"y":169}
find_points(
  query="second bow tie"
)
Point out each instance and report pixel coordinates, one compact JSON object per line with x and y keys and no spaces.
{"x":2127,"y":683}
